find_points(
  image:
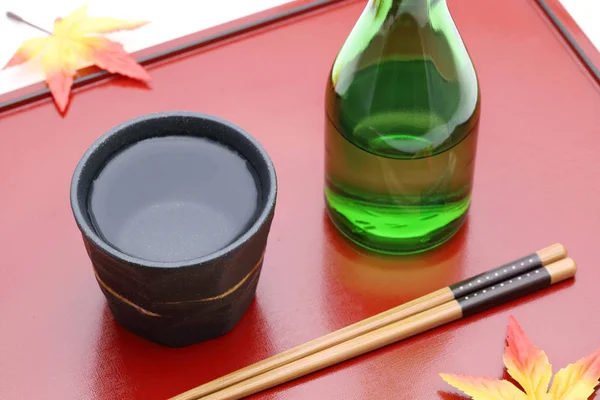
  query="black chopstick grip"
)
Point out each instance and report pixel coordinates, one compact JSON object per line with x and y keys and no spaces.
{"x":506,"y":291}
{"x":497,"y":275}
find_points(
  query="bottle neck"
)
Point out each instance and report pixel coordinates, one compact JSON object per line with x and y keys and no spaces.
{"x":394,"y":9}
{"x":411,"y":2}
{"x":403,"y":3}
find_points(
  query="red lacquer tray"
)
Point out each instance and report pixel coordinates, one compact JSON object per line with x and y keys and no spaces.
{"x":536,"y":184}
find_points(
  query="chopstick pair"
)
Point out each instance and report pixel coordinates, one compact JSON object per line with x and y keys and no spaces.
{"x":497,"y":286}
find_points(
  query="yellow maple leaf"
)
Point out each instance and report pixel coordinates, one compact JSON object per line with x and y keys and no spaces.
{"x":75,"y":43}
{"x":529,"y":366}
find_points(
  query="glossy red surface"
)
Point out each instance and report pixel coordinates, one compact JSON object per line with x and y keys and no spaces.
{"x":536,"y":183}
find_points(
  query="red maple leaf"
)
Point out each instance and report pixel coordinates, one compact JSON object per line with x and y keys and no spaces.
{"x":529,"y":366}
{"x":75,"y":43}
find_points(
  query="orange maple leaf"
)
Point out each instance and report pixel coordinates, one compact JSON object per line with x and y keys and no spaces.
{"x":75,"y":43}
{"x":529,"y":366}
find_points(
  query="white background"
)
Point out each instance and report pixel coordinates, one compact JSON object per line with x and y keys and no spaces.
{"x":586,"y":13}
{"x":169,"y":20}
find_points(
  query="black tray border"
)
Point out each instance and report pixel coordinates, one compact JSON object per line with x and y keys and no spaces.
{"x":594,"y":69}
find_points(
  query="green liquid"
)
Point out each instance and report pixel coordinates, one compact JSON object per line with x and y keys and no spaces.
{"x":400,"y":152}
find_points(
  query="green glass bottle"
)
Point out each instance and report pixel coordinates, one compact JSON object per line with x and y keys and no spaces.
{"x":402,"y":107}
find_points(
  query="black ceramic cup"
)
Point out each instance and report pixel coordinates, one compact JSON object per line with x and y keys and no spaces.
{"x":176,"y":271}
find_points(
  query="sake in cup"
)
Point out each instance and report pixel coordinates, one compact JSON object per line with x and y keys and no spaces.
{"x":175,"y":210}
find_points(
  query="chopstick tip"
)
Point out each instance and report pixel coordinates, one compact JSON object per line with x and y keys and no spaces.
{"x":562,"y":270}
{"x":552,"y":253}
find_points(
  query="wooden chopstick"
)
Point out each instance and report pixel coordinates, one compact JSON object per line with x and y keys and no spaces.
{"x":530,"y":262}
{"x":453,"y":310}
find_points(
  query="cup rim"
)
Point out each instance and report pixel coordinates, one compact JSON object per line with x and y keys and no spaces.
{"x":89,"y":232}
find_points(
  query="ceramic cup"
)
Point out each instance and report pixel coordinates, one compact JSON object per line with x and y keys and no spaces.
{"x":176,"y":303}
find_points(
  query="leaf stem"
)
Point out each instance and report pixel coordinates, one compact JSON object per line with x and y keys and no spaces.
{"x":15,"y":17}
